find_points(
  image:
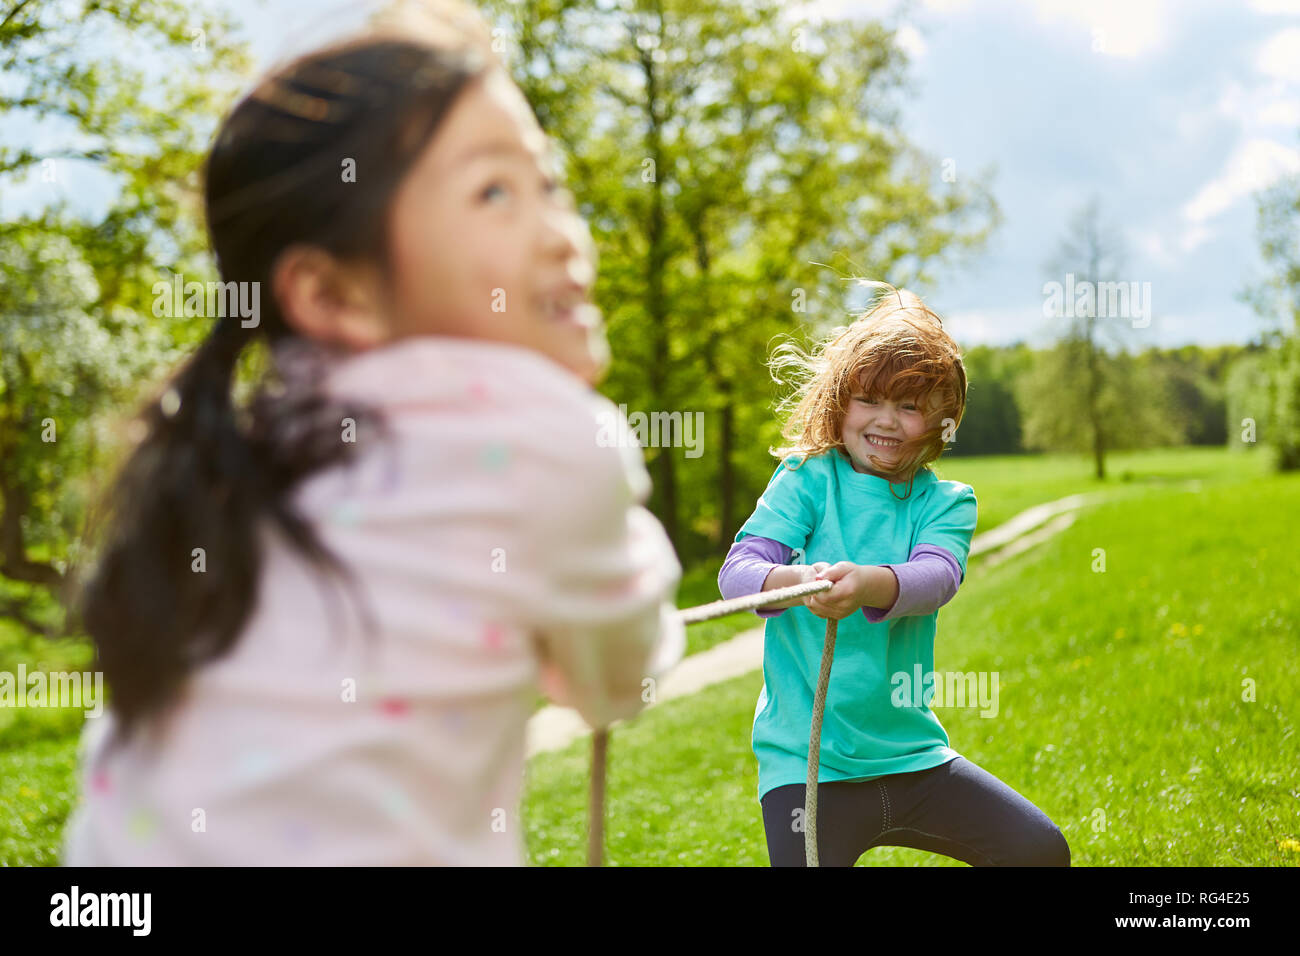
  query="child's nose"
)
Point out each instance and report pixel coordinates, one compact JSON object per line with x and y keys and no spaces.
{"x":565,"y":234}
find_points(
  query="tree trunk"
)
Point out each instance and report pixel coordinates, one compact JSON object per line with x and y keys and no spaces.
{"x":728,"y":476}
{"x":1094,"y":369}
{"x":656,"y":309}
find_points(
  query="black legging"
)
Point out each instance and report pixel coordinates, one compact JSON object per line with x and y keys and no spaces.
{"x":957,"y":809}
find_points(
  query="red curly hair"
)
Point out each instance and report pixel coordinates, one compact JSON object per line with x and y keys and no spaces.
{"x":897,"y":350}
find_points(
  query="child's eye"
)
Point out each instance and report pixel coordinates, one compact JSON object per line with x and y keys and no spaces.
{"x":496,"y":188}
{"x":556,"y":190}
{"x":874,"y":401}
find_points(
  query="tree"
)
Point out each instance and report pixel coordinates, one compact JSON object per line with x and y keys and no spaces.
{"x":719,"y":150}
{"x":991,"y":423}
{"x":1278,"y":300}
{"x":1247,"y":398}
{"x":1080,"y":396}
{"x":78,"y":334}
{"x":1197,"y":377}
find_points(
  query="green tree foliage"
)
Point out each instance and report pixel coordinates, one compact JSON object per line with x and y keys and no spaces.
{"x":126,"y":93}
{"x":1277,"y":299}
{"x":991,"y":423}
{"x":1247,"y":400}
{"x":1197,"y":378}
{"x":1198,"y":381}
{"x":722,"y":152}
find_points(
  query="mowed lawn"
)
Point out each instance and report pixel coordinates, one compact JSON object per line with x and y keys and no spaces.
{"x":1117,"y":716}
{"x":1148,"y":709}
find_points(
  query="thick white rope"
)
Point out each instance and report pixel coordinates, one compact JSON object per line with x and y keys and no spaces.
{"x":748,"y":602}
{"x":707,"y":612}
{"x":815,"y":747}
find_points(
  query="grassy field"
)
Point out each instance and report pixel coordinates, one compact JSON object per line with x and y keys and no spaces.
{"x":1123,"y":700}
{"x":1121,"y":693}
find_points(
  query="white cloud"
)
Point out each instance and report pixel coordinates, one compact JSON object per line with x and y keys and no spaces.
{"x":1193,"y":236}
{"x":1291,"y":7}
{"x":1153,"y":246}
{"x":947,"y":6}
{"x":1254,"y":165}
{"x":997,"y":326}
{"x":1120,"y":28}
{"x":970,"y":327}
{"x":1280,"y":55}
{"x":910,"y":41}
{"x":1233,"y":100}
{"x":1270,"y":103}
{"x":978,"y":328}
{"x":1281,"y":113}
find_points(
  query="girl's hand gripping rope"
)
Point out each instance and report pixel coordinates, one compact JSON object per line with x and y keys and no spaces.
{"x":856,"y":586}
{"x":848,"y":595}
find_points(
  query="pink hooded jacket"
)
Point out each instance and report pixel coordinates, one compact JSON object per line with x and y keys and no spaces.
{"x":501,"y":543}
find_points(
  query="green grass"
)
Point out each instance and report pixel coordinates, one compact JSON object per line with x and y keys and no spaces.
{"x":1146,"y":724}
{"x":37,"y":794}
{"x":1005,"y":485}
{"x":1120,"y":692}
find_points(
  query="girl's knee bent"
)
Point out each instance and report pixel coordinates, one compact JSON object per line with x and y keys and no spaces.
{"x":1040,"y":846}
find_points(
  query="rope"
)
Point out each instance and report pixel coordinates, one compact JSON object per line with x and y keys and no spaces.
{"x":815,"y":748}
{"x":596,"y":838}
{"x":707,"y":612}
{"x":748,"y":602}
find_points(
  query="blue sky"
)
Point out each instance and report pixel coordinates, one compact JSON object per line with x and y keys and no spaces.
{"x":1172,"y":113}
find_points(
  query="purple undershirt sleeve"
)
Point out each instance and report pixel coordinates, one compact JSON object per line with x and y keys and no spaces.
{"x":747,"y":566}
{"x":926,"y":582}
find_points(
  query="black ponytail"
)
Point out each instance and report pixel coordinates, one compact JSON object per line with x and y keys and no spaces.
{"x":207,"y":473}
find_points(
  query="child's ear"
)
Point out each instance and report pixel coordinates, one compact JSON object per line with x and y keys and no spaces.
{"x":330,"y":301}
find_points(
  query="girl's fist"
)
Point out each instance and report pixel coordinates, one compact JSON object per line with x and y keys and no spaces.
{"x":811,"y":572}
{"x":845,"y":597}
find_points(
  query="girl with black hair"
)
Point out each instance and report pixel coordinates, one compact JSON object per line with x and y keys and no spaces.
{"x":428,"y":436}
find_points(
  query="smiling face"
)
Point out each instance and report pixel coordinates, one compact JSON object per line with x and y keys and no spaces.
{"x":874,"y":425}
{"x":487,"y":244}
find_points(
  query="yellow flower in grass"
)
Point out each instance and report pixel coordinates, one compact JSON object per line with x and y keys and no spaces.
{"x":1289,"y":844}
